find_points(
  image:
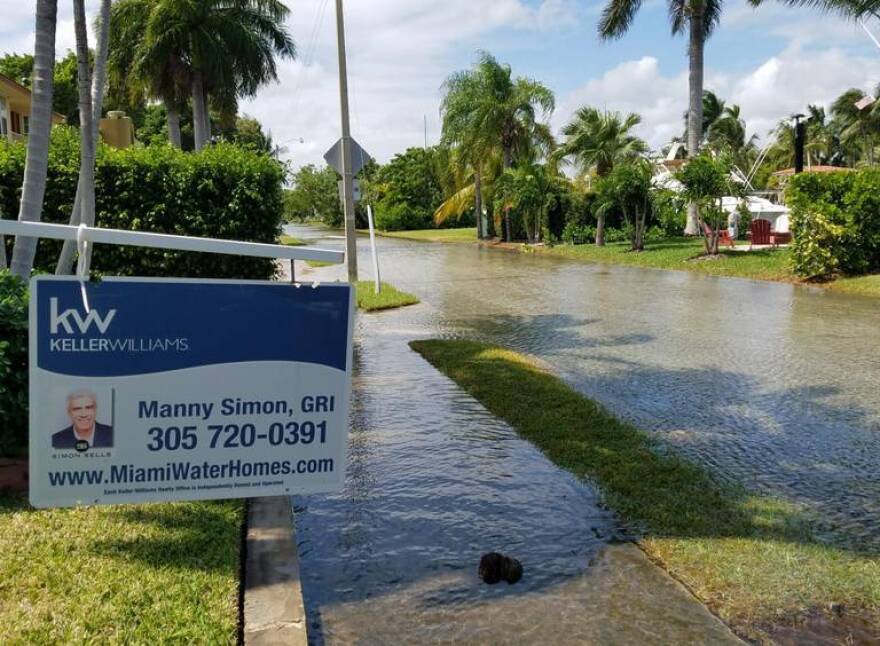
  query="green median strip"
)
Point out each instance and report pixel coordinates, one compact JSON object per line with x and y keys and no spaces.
{"x":752,"y":559}
{"x":389,"y":297}
{"x":460,"y":235}
{"x":142,"y":574}
{"x":290,"y":241}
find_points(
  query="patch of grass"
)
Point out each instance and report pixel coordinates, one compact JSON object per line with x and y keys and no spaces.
{"x":752,"y":559}
{"x":389,"y":297}
{"x":684,"y":254}
{"x":864,"y":285}
{"x":320,"y":263}
{"x":465,"y":234}
{"x":120,"y":574}
{"x":290,"y":241}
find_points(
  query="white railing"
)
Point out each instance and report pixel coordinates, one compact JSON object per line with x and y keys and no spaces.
{"x":98,"y":235}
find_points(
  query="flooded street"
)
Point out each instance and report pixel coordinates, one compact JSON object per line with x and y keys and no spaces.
{"x":769,"y":385}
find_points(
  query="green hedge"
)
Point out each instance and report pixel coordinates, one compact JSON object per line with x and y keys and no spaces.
{"x":835,"y":223}
{"x":223,"y":192}
{"x":13,"y":364}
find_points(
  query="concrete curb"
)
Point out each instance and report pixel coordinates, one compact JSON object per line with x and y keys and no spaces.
{"x":274,"y":612}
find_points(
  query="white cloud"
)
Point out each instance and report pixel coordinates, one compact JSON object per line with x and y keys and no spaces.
{"x":398,"y":56}
{"x":773,"y":90}
{"x":634,"y":86}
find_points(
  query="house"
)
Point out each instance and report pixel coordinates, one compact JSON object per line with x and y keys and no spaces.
{"x":15,"y":109}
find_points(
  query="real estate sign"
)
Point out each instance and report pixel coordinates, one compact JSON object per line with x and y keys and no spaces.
{"x":155,"y":389}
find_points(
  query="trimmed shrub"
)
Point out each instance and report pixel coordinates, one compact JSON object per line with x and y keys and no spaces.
{"x":835,"y":223}
{"x":13,"y":364}
{"x":224,"y":191}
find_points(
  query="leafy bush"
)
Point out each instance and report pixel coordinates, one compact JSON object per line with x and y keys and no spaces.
{"x":13,"y":364}
{"x":399,"y":217}
{"x":835,"y":222}
{"x":223,"y":192}
{"x":706,"y":180}
{"x":669,"y":212}
{"x":406,"y":191}
{"x":315,"y":195}
{"x":575,"y":233}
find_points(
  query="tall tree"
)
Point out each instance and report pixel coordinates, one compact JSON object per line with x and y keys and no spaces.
{"x":91,"y":107}
{"x":34,"y":186}
{"x":166,"y":80}
{"x":859,"y":127}
{"x":485,"y":108}
{"x":596,"y":141}
{"x":226,"y":46}
{"x":699,"y":18}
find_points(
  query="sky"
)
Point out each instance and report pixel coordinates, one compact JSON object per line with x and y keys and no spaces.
{"x":772,"y":61}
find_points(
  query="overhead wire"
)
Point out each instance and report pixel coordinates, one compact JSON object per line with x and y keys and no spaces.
{"x":308,"y":60}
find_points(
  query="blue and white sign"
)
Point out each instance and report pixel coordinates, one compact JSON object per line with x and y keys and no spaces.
{"x":166,"y":389}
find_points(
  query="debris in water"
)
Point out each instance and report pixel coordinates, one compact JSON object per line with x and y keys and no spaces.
{"x":494,"y":567}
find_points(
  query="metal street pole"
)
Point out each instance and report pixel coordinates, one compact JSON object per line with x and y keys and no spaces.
{"x":347,"y":175}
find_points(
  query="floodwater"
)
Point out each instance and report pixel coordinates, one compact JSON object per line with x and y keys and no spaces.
{"x":773,"y":386}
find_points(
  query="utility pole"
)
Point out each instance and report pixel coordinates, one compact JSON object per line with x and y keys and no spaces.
{"x":347,"y":175}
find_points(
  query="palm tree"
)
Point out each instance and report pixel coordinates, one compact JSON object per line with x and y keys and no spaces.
{"x":34,"y":187}
{"x":823,"y":144}
{"x":713,"y":109}
{"x":225,"y":47}
{"x":90,"y":102}
{"x":858,"y":127}
{"x":596,"y":141}
{"x":727,"y":135}
{"x":485,"y":109}
{"x":699,"y":18}
{"x":168,"y":82}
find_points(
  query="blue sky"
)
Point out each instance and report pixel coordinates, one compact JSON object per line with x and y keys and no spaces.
{"x":772,"y":61}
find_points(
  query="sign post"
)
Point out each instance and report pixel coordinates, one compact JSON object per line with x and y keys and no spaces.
{"x":172,"y":389}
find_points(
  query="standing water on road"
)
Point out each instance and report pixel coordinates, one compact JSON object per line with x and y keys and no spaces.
{"x":772,"y":386}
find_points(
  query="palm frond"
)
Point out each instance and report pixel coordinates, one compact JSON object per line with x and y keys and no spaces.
{"x":455,"y":205}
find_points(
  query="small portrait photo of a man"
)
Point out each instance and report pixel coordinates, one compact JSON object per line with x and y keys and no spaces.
{"x":85,"y":431}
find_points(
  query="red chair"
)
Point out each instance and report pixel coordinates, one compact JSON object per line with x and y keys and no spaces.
{"x":759,"y":232}
{"x":723,"y":235}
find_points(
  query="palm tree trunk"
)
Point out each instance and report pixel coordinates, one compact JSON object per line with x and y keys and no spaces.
{"x":478,"y":202}
{"x":65,"y":260}
{"x":173,"y":117}
{"x":600,"y":230}
{"x":695,"y":106}
{"x":506,"y":162}
{"x":207,"y":117}
{"x":198,"y":100}
{"x":34,"y":186}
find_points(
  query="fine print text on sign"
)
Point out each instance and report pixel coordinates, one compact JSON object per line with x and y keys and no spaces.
{"x":186,"y":390}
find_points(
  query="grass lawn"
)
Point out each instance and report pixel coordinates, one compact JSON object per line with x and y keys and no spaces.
{"x":320,"y":263}
{"x":751,"y":559}
{"x":680,"y":253}
{"x":466,"y":234}
{"x":389,"y":297}
{"x":142,"y":574}
{"x":290,"y":240}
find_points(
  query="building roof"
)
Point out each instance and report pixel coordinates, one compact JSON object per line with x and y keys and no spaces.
{"x":25,"y":92}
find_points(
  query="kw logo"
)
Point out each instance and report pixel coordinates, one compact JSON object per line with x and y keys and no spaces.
{"x":64,"y":319}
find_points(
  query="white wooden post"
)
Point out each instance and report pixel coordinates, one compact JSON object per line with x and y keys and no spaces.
{"x":373,"y":245}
